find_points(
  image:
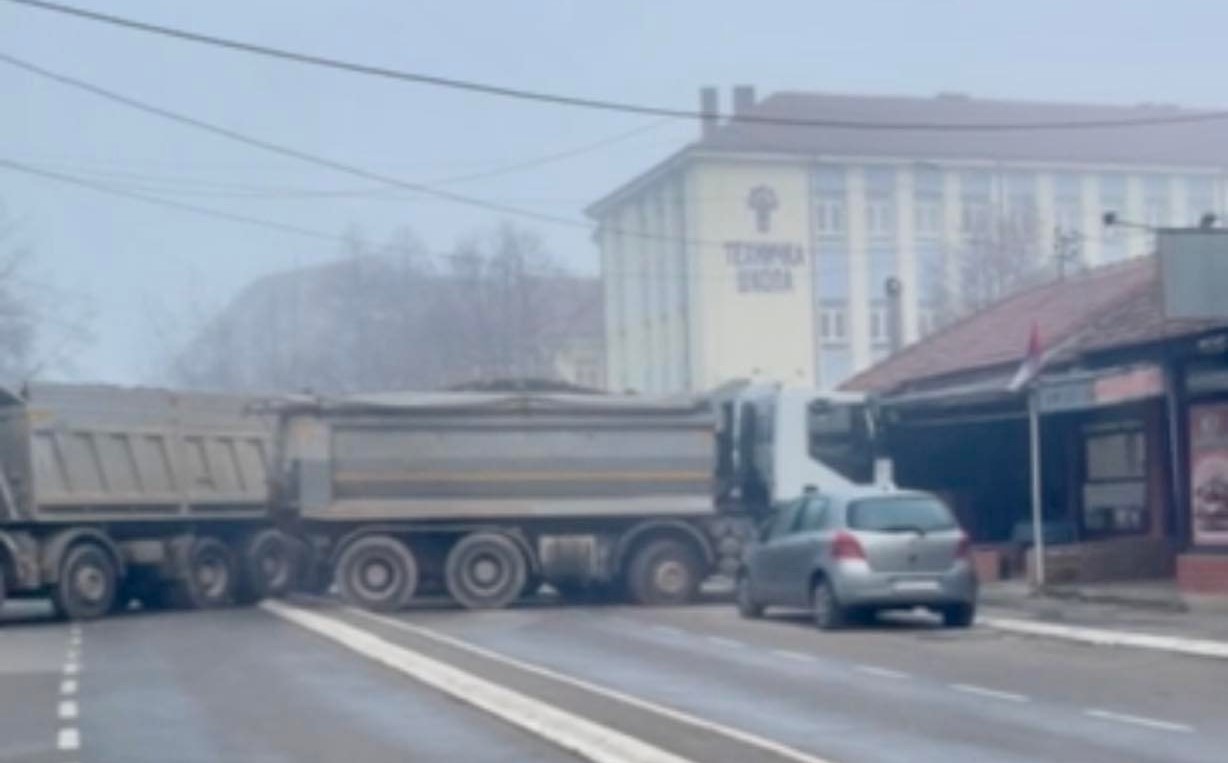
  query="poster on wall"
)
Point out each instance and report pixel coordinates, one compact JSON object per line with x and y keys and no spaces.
{"x":1209,"y":474}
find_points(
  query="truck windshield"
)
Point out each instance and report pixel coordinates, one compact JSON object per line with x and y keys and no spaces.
{"x":840,"y":437}
{"x":900,"y":515}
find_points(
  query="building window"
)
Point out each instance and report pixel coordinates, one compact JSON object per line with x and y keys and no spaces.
{"x":880,"y":216}
{"x":974,"y":217}
{"x":880,"y":324}
{"x":928,"y":217}
{"x":1155,"y":212}
{"x":833,"y":327}
{"x":829,"y":217}
{"x":1067,"y":215}
{"x":1115,"y":488}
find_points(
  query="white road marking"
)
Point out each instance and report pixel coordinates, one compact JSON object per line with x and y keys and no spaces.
{"x":71,"y":668}
{"x":68,"y":686}
{"x":1103,"y":637}
{"x":793,"y":655}
{"x":569,"y":731}
{"x":875,"y":670}
{"x":668,"y":629}
{"x":68,"y":739}
{"x":745,"y":737}
{"x":1139,"y":720}
{"x":67,"y":710}
{"x":981,"y":691}
{"x":722,"y":641}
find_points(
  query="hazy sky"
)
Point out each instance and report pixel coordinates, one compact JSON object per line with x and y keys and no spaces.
{"x":146,"y":271}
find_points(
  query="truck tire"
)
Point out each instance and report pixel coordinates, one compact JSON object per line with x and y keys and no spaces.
{"x":3,"y":584}
{"x":664,"y":572}
{"x":268,"y":564}
{"x":208,"y":576}
{"x":485,"y":570}
{"x":88,"y":583}
{"x":377,"y":572}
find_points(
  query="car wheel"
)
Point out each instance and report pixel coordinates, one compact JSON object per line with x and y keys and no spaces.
{"x":747,"y":606}
{"x":825,"y":607}
{"x":959,"y":616}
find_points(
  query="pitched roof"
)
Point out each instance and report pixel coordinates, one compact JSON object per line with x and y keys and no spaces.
{"x":1191,"y":143}
{"x":1196,"y":144}
{"x":1111,"y":306}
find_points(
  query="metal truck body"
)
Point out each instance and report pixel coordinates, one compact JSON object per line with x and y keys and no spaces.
{"x":593,"y":492}
{"x":110,"y":493}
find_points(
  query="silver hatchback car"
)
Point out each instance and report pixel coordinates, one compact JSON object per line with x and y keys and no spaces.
{"x":857,"y":553}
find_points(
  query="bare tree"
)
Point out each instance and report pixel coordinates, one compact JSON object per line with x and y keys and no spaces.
{"x":40,"y":324}
{"x":999,"y":257}
{"x":392,"y":316}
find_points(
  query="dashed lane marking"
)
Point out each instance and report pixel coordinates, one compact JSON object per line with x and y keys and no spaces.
{"x":71,"y":668}
{"x":875,"y":670}
{"x":726,"y":642}
{"x":982,"y":691}
{"x":790,"y":655}
{"x":667,"y":629}
{"x":67,"y":710}
{"x":729,"y":732}
{"x":68,"y":686}
{"x":68,"y":739}
{"x":1139,"y":720}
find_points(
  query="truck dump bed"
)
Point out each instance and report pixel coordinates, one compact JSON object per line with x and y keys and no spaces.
{"x":440,"y":456}
{"x":103,"y":453}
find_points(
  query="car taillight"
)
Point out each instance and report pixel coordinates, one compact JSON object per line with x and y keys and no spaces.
{"x":964,"y":549}
{"x":845,"y":546}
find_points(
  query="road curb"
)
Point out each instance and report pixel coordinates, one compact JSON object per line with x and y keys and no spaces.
{"x":1191,"y":647}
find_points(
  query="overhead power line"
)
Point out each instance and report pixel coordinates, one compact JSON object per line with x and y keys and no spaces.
{"x":602,"y":104}
{"x":161,"y":202}
{"x":292,"y":153}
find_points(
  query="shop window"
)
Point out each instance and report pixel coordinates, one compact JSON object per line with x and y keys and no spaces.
{"x":1115,"y":489}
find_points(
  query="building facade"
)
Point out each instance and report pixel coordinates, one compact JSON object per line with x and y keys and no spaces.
{"x":765,"y":248}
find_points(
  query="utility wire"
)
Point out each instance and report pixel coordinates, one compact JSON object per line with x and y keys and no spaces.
{"x":161,"y":202}
{"x":599,"y":103}
{"x":338,"y":166}
{"x":291,"y":152}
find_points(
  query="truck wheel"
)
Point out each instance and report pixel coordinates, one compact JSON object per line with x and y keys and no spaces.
{"x":269,"y":566}
{"x":377,"y":572}
{"x":664,"y":572}
{"x":207,"y":580}
{"x":485,"y":571}
{"x":3,"y":584}
{"x":87,"y":585}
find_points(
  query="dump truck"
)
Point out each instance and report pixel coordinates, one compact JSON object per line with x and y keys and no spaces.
{"x":110,"y":494}
{"x":485,"y":496}
{"x":198,"y":500}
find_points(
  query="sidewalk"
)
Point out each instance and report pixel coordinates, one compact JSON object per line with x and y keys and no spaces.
{"x":1145,"y":614}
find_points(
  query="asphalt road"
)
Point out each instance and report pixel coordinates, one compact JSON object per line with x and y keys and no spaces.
{"x":696,"y":682}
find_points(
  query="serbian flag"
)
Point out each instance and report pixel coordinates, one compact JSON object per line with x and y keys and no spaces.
{"x":1030,"y":366}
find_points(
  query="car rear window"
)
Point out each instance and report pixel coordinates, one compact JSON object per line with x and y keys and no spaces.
{"x":900,"y":515}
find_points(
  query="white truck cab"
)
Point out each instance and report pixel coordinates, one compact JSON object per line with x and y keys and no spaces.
{"x":782,"y":441}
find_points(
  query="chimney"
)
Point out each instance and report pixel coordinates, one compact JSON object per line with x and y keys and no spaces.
{"x":743,"y":99}
{"x":709,"y":109}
